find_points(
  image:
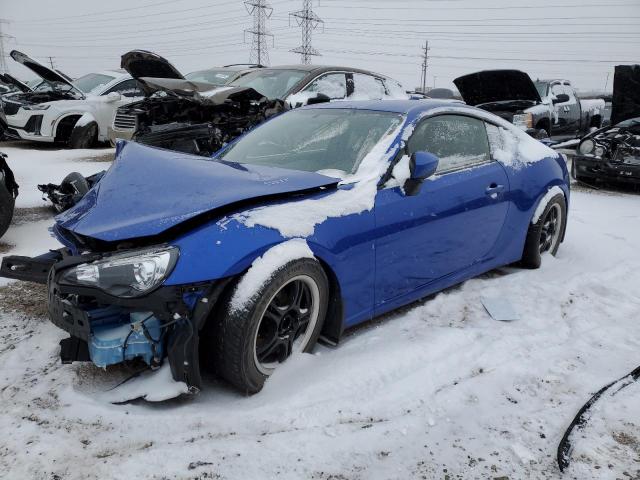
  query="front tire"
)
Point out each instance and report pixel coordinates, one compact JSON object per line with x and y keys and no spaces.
{"x":7,"y":205}
{"x":544,"y":237}
{"x":284,"y":317}
{"x":84,"y":137}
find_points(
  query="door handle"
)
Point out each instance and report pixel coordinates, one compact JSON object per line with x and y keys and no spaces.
{"x":493,"y":190}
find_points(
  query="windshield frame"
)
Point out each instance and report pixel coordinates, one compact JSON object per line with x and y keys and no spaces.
{"x":539,"y":83}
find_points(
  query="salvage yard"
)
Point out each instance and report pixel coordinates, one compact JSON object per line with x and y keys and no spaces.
{"x":437,"y":390}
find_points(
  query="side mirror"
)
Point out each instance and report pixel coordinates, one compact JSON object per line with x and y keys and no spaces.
{"x":319,"y":98}
{"x":561,"y":98}
{"x":113,"y":97}
{"x":421,"y":166}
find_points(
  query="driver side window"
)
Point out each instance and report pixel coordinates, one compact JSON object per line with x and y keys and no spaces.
{"x":458,"y":141}
{"x":333,"y":85}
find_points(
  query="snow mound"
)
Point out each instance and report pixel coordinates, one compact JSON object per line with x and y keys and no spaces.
{"x":263,"y":268}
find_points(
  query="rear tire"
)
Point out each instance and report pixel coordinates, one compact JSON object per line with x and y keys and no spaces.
{"x":544,"y":237}
{"x":84,"y":137}
{"x":7,"y":205}
{"x":249,"y":342}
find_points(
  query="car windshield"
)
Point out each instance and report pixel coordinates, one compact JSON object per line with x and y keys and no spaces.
{"x":92,"y":83}
{"x":542,"y":88}
{"x":214,"y":77}
{"x":271,"y":83}
{"x":314,"y":140}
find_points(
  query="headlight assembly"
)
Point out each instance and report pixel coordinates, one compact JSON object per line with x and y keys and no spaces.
{"x":524,"y":120}
{"x":125,"y":275}
{"x":587,"y":146}
{"x":35,"y":107}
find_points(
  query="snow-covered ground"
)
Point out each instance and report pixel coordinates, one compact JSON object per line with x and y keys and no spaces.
{"x":437,"y":390}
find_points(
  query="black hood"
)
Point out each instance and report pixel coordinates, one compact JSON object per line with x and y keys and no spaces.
{"x":141,"y":63}
{"x":11,"y":80}
{"x":496,"y":86}
{"x":626,"y":93}
{"x":47,"y":74}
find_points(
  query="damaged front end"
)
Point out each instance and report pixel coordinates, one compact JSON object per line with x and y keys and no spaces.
{"x":611,"y":154}
{"x":115,"y":310}
{"x":186,"y":121}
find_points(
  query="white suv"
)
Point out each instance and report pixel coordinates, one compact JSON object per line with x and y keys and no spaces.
{"x":77,"y":113}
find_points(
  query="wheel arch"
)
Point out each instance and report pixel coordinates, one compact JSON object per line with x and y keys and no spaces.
{"x":68,"y":122}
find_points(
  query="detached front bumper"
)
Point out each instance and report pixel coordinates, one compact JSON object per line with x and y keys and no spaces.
{"x":590,"y":168}
{"x":164,"y":324}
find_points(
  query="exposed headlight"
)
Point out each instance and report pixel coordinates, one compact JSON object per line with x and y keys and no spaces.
{"x":524,"y":120}
{"x":35,"y":107}
{"x":126,"y":275}
{"x":586,"y":146}
{"x":599,"y":151}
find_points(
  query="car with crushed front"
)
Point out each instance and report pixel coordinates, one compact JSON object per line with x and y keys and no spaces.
{"x":317,"y":220}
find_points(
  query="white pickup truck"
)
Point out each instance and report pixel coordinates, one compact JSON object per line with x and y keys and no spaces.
{"x":544,"y":108}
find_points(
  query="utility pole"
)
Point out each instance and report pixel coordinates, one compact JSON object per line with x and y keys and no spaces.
{"x":261,"y":10}
{"x":425,"y":60}
{"x":308,"y":20}
{"x":3,"y":36}
{"x":51,"y":63}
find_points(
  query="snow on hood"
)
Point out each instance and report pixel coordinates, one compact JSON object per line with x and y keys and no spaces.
{"x":496,"y":86}
{"x":149,"y":190}
{"x":44,"y":72}
{"x":299,"y":219}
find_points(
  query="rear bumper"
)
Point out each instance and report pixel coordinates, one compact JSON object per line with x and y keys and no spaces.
{"x":597,"y":169}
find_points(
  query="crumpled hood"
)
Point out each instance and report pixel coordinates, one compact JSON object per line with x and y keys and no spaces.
{"x":148,"y":190}
{"x":496,"y":86}
{"x":625,"y":103}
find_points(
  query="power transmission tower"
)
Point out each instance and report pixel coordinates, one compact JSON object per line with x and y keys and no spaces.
{"x":308,"y":20}
{"x":425,"y":60}
{"x":3,"y":37}
{"x":261,"y":10}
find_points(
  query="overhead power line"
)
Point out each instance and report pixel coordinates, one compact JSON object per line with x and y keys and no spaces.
{"x":260,"y":10}
{"x":308,"y":21}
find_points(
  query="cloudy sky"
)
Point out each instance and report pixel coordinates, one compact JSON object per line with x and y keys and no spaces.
{"x":577,"y":39}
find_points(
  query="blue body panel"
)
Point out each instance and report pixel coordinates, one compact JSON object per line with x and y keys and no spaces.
{"x":149,"y":190}
{"x":404,"y":248}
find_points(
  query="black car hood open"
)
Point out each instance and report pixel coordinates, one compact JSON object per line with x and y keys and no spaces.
{"x":496,"y":86}
{"x":44,"y":72}
{"x":141,"y":63}
{"x":8,"y":79}
{"x":626,"y":93}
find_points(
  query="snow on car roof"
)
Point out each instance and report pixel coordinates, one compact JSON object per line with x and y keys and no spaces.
{"x":395,"y":106}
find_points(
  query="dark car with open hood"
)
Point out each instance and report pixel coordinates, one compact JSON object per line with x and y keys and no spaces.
{"x":545,"y":108}
{"x":612,"y":154}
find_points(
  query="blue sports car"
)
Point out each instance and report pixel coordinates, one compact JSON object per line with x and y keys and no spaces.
{"x":317,"y":220}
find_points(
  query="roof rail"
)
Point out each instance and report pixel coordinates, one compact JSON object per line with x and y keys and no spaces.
{"x":250,"y":65}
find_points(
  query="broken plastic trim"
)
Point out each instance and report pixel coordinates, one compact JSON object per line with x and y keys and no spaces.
{"x":565,"y":447}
